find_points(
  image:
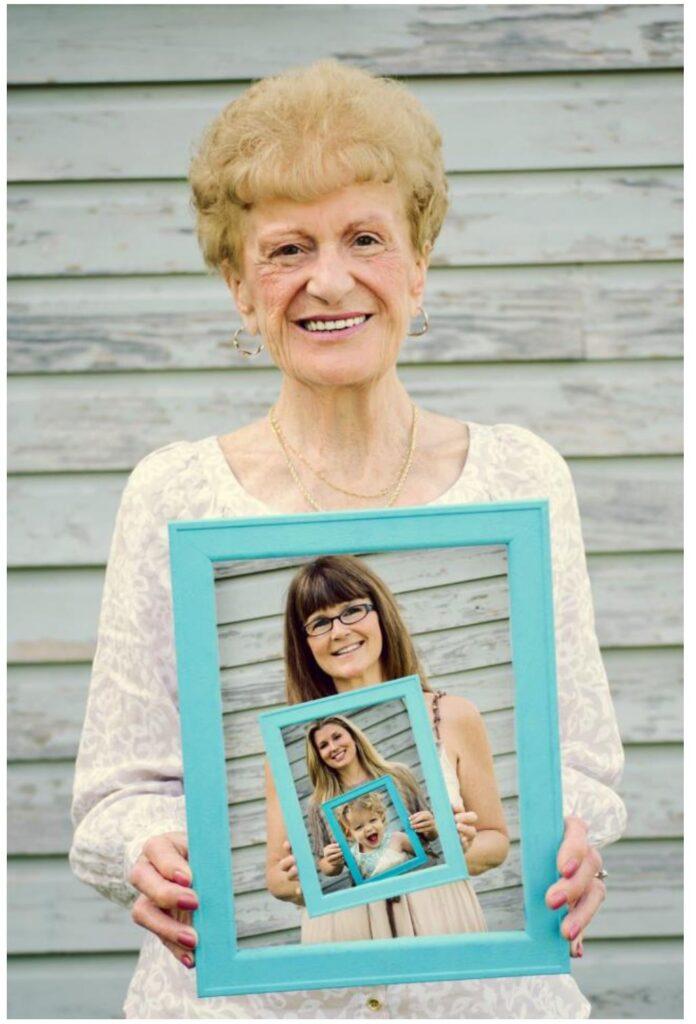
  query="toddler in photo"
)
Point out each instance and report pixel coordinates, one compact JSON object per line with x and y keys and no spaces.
{"x":375,"y":846}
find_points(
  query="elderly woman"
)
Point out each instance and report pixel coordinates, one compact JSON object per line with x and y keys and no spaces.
{"x":319,"y":196}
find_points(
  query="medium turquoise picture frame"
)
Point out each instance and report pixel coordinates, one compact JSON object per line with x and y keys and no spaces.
{"x":222,"y":968}
{"x":420,"y":857}
{"x":453,"y":867}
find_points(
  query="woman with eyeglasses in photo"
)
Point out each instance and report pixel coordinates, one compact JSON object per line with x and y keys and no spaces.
{"x":343,"y":631}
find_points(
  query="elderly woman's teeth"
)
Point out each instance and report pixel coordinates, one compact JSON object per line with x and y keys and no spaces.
{"x":333,"y":325}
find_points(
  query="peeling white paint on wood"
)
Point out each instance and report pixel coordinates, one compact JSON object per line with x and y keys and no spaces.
{"x":233,"y":41}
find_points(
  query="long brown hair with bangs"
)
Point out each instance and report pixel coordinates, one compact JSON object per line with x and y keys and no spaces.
{"x":327,"y":581}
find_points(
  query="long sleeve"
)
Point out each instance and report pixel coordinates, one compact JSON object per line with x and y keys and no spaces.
{"x":591,"y":750}
{"x":318,"y":831}
{"x":593,"y":757}
{"x":128,"y":779}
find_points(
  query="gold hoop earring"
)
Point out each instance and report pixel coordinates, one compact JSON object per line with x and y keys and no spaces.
{"x":424,"y":328}
{"x":246,"y":352}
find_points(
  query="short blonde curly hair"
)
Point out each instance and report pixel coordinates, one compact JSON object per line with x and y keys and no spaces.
{"x":305,"y":133}
{"x":370,"y":802}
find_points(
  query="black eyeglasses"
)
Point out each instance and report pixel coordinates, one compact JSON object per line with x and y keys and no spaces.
{"x":353,"y":613}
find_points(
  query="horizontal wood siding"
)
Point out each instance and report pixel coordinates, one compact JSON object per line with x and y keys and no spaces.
{"x":555,"y":302}
{"x":232,"y":42}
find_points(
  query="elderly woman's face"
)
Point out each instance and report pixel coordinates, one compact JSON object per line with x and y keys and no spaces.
{"x":332,"y":284}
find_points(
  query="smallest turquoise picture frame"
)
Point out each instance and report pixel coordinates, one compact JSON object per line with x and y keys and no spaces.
{"x":452,"y":869}
{"x":420,"y":857}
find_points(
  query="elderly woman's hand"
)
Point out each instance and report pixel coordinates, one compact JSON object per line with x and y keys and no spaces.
{"x":163,"y":877}
{"x":466,"y":826}
{"x":579,"y":888}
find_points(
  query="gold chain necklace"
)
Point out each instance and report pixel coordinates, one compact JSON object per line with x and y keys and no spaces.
{"x":287,"y":447}
{"x":393,"y":491}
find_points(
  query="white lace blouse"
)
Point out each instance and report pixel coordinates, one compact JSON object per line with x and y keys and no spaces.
{"x":128,"y":782}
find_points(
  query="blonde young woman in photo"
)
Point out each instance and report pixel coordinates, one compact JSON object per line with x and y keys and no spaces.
{"x":319,"y":195}
{"x":340,"y":757}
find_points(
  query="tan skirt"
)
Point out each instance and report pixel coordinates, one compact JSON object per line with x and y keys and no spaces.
{"x":445,"y":910}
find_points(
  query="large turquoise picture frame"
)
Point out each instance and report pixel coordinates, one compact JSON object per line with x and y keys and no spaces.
{"x":222,"y":968}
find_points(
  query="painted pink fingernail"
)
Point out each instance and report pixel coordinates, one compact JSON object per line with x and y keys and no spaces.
{"x":181,"y":879}
{"x":187,"y":961}
{"x":574,"y":931}
{"x":559,"y":900}
{"x":570,"y":868}
{"x":187,"y":903}
{"x":580,"y":949}
{"x":187,"y":939}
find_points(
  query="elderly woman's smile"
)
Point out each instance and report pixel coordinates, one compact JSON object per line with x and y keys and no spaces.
{"x":334,"y":327}
{"x":335,"y":324}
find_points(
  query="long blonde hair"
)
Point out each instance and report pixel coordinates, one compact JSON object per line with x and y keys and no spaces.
{"x":327,"y":581}
{"x":327,"y":783}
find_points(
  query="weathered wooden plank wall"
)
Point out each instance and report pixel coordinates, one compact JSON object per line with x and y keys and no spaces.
{"x":562,"y":314}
